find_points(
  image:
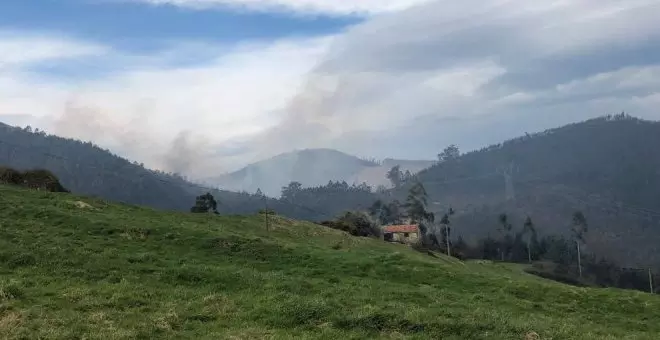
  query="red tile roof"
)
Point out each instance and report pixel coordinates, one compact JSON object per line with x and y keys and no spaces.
{"x":404,"y":228}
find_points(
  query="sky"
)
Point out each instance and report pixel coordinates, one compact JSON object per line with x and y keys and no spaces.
{"x":202,"y":87}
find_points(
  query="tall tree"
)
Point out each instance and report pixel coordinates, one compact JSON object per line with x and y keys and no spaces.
{"x":290,"y":191}
{"x":579,"y":230}
{"x":504,"y":229}
{"x":377,"y":211}
{"x":394,"y":213}
{"x":416,"y":204}
{"x":446,"y":227}
{"x":395,"y":176}
{"x":529,"y":232}
{"x":449,"y":153}
{"x":386,"y":213}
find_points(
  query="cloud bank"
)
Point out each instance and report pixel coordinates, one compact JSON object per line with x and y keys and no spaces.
{"x":405,"y":83}
{"x":480,"y":71}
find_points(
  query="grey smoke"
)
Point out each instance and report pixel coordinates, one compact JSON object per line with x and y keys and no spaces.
{"x":185,"y":154}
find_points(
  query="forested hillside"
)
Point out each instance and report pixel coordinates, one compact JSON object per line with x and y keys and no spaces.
{"x":608,"y":168}
{"x":330,"y":200}
{"x":87,"y":169}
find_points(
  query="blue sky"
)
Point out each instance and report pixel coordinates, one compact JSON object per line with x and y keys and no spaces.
{"x":242,"y":80}
{"x":140,"y":27}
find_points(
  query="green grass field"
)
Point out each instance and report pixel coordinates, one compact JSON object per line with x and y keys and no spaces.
{"x":94,"y":270}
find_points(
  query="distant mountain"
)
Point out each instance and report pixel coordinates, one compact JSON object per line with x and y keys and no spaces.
{"x":608,"y":168}
{"x":311,"y":167}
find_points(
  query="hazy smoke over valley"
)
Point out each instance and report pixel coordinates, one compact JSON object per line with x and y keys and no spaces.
{"x":183,"y":154}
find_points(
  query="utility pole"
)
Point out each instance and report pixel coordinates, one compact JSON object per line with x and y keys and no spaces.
{"x":529,"y":252}
{"x":447,"y":236}
{"x":266,"y":213}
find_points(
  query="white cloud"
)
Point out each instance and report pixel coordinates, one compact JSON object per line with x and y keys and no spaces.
{"x":33,"y":48}
{"x":448,"y":72}
{"x":403,"y":84}
{"x":332,"y":7}
{"x":147,"y":112}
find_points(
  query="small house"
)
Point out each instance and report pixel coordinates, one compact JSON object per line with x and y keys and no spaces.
{"x":404,"y":233}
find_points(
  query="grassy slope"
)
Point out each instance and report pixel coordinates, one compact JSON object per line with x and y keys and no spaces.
{"x":119,"y":272}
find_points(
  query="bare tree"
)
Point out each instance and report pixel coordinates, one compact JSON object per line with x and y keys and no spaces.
{"x":446,"y":223}
{"x":579,"y":229}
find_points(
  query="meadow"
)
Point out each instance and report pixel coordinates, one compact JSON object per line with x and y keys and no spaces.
{"x":81,"y":268}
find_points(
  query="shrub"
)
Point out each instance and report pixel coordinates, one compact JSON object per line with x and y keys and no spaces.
{"x":38,"y":179}
{"x":10,"y":176}
{"x":10,"y":291}
{"x":356,"y":224}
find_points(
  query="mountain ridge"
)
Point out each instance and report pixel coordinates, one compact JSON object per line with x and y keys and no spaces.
{"x":87,"y":169}
{"x":603,"y":167}
{"x":311,"y":167}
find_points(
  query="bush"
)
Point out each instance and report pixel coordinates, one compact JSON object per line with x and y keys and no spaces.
{"x":356,"y":224}
{"x":38,"y":179}
{"x":10,"y":176}
{"x":10,"y":291}
{"x":559,"y":277}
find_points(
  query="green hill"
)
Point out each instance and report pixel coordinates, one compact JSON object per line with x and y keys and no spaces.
{"x":73,"y":267}
{"x":605,"y":167}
